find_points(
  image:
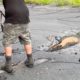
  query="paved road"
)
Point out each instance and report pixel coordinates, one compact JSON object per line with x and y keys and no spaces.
{"x":63,"y":64}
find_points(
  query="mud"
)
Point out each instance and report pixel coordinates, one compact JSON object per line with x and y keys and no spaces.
{"x":48,"y":20}
{"x":2,"y":76}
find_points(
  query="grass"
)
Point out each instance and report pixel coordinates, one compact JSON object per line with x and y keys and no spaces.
{"x":39,"y":1}
{"x":68,"y":2}
{"x":74,"y":3}
{"x":57,"y":2}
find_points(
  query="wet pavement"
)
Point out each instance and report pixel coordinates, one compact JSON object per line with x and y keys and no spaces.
{"x":58,"y":65}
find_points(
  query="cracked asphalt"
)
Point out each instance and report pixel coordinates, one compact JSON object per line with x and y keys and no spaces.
{"x":60,"y":65}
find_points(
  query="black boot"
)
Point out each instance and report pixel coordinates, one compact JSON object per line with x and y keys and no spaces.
{"x":8,"y":66}
{"x":29,"y":61}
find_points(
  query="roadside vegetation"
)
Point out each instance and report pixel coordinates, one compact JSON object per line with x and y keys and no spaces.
{"x":74,"y":3}
{"x":55,"y":2}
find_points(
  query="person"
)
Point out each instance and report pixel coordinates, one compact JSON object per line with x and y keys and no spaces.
{"x":16,"y":26}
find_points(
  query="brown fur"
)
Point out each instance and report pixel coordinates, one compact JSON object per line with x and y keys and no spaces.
{"x":65,"y":42}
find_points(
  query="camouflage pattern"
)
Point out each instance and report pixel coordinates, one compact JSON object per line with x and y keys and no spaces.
{"x":14,"y":31}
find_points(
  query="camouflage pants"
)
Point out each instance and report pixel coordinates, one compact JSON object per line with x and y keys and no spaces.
{"x":12,"y":32}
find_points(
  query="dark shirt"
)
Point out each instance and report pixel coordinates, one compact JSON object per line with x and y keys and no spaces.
{"x":16,"y":12}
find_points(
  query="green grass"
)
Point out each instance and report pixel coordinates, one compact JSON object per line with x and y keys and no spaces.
{"x":57,"y":2}
{"x":74,"y":3}
{"x":39,"y":1}
{"x":68,"y":2}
